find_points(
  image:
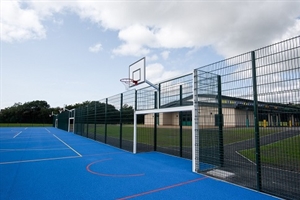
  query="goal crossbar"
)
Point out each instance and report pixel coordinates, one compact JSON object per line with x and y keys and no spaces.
{"x":166,"y":110}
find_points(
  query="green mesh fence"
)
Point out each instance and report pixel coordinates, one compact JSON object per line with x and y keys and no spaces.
{"x":176,"y":92}
{"x":128,"y":106}
{"x":278,"y":86}
{"x":249,"y":125}
{"x":63,"y":120}
{"x":261,"y":106}
{"x":113,"y":112}
{"x":210,"y":120}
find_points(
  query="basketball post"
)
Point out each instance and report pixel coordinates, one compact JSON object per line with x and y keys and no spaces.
{"x":151,"y":84}
{"x":137,"y":76}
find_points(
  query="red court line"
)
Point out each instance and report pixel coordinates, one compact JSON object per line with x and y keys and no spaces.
{"x":164,"y":188}
{"x":101,"y":154}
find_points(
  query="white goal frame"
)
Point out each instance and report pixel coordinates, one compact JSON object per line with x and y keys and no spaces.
{"x":195,"y":122}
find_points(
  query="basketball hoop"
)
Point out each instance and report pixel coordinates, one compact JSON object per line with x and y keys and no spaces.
{"x":127,"y":82}
{"x":137,"y":75}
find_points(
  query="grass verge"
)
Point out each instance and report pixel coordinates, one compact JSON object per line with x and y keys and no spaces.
{"x":284,"y":154}
{"x":24,"y":125}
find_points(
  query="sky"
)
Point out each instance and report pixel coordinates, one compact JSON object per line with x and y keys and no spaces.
{"x":67,"y":52}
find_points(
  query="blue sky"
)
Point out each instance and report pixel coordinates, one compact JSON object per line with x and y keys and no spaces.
{"x":67,"y":52}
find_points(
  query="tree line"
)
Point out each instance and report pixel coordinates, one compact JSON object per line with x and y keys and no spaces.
{"x":41,"y":112}
{"x":29,"y":112}
{"x":102,"y":113}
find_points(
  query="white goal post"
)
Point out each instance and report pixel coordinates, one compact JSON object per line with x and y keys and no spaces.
{"x":195,"y":122}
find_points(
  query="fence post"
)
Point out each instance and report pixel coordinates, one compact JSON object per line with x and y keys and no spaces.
{"x":159,"y":103}
{"x":195,"y":125}
{"x":95,"y":121}
{"x":256,"y":124}
{"x":221,"y":122}
{"x":155,"y":121}
{"x":87,"y":120}
{"x":105,"y":121}
{"x":121,"y":129}
{"x":180,"y":120}
{"x":135,"y":123}
{"x":81,"y":121}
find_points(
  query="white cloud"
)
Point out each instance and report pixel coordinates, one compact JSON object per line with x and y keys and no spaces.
{"x":230,"y":27}
{"x":138,"y":34}
{"x":152,"y":58}
{"x":135,"y":38}
{"x":131,"y":49}
{"x":291,"y":31}
{"x":46,"y":9}
{"x":156,"y":73}
{"x":59,"y":22}
{"x":95,"y":48}
{"x":20,"y":24}
{"x":165,"y":54}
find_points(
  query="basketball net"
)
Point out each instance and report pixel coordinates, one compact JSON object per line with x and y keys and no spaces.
{"x":127,"y":82}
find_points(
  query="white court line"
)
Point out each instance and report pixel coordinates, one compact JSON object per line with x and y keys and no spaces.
{"x":38,"y":160}
{"x":47,"y":130}
{"x":246,"y":158}
{"x":68,"y":146}
{"x":17,"y":134}
{"x":56,"y":149}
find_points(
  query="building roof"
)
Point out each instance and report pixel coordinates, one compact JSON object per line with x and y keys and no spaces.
{"x":209,"y":100}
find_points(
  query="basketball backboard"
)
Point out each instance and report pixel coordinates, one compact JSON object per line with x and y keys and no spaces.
{"x":137,"y":72}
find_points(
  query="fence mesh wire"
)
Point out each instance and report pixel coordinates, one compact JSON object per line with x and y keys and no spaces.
{"x":278,"y":83}
{"x":266,"y":158}
{"x":260,"y":118}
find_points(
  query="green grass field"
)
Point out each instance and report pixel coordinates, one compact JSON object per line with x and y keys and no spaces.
{"x":169,"y":136}
{"x":24,"y":125}
{"x":233,"y":135}
{"x":166,"y":136}
{"x":284,"y":153}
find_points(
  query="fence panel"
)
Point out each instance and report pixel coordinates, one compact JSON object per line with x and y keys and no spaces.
{"x":278,"y":85}
{"x":78,"y":121}
{"x":128,"y":106}
{"x":176,"y":92}
{"x":113,"y":120}
{"x":146,"y":99}
{"x":237,"y":109}
{"x":210,"y":120}
{"x":260,"y":121}
{"x":90,"y":120}
{"x":63,"y":120}
{"x":101,"y":121}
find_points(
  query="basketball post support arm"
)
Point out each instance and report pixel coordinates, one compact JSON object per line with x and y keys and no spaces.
{"x":151,"y":84}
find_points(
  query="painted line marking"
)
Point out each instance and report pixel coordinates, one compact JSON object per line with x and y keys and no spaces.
{"x":110,"y":175}
{"x":68,"y":146}
{"x":38,"y":160}
{"x":54,"y":149}
{"x":164,"y":188}
{"x":17,"y":134}
{"x":47,"y":130}
{"x":101,"y":154}
{"x":245,"y":158}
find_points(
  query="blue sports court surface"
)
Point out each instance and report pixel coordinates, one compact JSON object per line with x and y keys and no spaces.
{"x":48,"y":163}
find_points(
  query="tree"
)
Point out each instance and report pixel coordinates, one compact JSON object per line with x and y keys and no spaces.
{"x":127,"y":114}
{"x":29,"y":112}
